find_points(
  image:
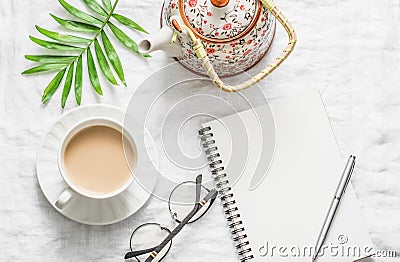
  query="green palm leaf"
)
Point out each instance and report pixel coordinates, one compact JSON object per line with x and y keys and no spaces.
{"x":113,"y":57}
{"x":129,"y":23}
{"x":44,"y":68}
{"x":93,"y":76}
{"x":75,"y":26}
{"x":52,"y":86}
{"x":124,"y":38}
{"x":63,"y":38}
{"x":72,"y":65}
{"x":104,"y":66}
{"x":94,"y":6}
{"x":51,"y":59}
{"x":54,"y":45}
{"x":107,"y":4}
{"x":67,"y":85}
{"x":78,"y":81}
{"x":80,"y":14}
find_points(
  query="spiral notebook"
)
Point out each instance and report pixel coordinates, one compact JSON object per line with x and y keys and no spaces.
{"x":275,"y":210}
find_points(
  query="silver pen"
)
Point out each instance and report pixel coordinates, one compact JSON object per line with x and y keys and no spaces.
{"x":344,"y":181}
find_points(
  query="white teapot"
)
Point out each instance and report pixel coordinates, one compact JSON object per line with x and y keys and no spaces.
{"x":227,"y":37}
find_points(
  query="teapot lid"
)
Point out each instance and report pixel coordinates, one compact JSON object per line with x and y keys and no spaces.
{"x":220,"y":21}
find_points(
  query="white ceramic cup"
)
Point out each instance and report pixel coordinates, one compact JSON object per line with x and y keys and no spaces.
{"x":73,"y":190}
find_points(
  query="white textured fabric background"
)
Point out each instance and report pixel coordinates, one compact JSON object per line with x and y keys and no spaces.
{"x":348,"y":49}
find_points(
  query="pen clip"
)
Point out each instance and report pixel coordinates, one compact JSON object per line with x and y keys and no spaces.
{"x":346,"y":176}
{"x":353,"y":163}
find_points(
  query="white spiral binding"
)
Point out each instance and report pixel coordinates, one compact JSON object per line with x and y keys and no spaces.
{"x":226,"y":195}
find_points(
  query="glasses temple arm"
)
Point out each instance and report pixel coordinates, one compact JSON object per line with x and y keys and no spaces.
{"x":210,"y":196}
{"x":174,"y":232}
{"x":199,"y":179}
{"x":132,"y":254}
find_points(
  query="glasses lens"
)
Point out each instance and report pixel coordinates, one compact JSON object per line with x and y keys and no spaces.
{"x":148,"y":236}
{"x":183,"y":199}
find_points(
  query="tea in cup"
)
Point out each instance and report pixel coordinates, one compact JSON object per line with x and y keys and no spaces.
{"x":97,"y":159}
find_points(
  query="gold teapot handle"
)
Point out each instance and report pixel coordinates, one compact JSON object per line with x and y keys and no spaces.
{"x":208,"y":67}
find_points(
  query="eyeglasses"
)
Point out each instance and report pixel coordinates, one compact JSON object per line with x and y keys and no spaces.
{"x":151,"y":241}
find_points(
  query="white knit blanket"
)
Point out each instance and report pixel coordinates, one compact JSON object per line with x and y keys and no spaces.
{"x":349,"y":50}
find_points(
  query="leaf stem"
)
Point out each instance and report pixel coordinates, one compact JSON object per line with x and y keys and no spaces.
{"x":98,"y":33}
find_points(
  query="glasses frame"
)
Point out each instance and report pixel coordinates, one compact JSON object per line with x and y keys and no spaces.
{"x":148,"y":224}
{"x":174,"y":215}
{"x":199,"y":204}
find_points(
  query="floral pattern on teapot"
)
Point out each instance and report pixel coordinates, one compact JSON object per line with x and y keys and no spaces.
{"x":220,"y":23}
{"x":227,"y":57}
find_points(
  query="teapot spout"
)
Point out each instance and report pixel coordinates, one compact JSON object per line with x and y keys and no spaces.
{"x":161,"y":41}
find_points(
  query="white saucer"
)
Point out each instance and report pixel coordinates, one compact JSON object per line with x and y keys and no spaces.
{"x":82,"y":209}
